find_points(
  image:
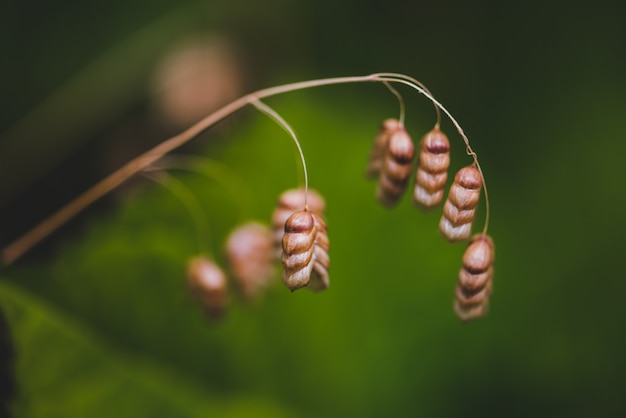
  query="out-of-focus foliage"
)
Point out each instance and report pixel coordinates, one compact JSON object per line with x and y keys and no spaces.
{"x":102,"y":323}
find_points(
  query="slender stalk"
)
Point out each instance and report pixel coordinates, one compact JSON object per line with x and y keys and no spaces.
{"x":24,"y":243}
{"x":400,"y":101}
{"x":283,"y":123}
{"x":216,"y":171}
{"x":188,"y":199}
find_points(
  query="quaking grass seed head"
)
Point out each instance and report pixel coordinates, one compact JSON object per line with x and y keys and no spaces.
{"x":250,"y":253}
{"x":396,"y":169}
{"x":432,"y":170}
{"x":305,"y":251}
{"x":460,"y":206}
{"x":289,"y":202}
{"x":387,"y":128}
{"x":208,"y":284}
{"x":474,"y":287}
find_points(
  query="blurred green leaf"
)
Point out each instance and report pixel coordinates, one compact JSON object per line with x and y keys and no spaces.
{"x":65,"y":369}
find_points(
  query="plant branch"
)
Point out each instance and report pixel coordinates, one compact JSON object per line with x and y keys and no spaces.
{"x":24,"y":243}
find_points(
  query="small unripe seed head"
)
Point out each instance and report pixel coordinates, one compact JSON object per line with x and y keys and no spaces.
{"x":208,"y":283}
{"x":250,"y":253}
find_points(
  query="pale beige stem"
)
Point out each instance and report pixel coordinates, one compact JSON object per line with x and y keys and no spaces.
{"x":24,"y":243}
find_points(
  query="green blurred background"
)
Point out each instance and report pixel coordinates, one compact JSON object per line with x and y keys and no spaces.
{"x":99,"y":321}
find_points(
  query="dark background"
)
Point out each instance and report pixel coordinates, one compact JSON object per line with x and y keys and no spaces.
{"x":97,"y":314}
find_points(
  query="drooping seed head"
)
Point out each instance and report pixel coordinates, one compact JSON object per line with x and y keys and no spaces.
{"x":474,"y":287}
{"x":208,"y":283}
{"x":288,"y":203}
{"x":250,"y":253}
{"x":397,"y":165}
{"x":432,"y":171}
{"x":460,"y":207}
{"x":388,"y":127}
{"x":305,"y":251}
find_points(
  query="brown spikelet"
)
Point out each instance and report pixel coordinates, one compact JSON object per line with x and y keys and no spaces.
{"x":396,"y":169}
{"x":388,"y":127}
{"x":432,"y":171}
{"x":460,"y":207}
{"x":250,"y":252}
{"x":288,"y":203}
{"x":475,"y":279}
{"x":305,"y":252}
{"x":208,"y":283}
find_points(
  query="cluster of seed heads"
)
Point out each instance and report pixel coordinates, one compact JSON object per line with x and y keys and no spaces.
{"x":391,"y":162}
{"x":299,"y":238}
{"x":299,"y":241}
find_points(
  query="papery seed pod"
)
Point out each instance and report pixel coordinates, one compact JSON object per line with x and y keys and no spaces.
{"x":460,"y":207}
{"x":305,"y":251}
{"x":208,"y":283}
{"x":388,"y":127}
{"x":396,"y":169}
{"x":250,"y":252}
{"x":288,"y":203}
{"x":475,"y":278}
{"x":432,"y":170}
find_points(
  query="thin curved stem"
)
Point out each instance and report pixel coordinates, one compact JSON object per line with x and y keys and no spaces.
{"x":215,"y":171}
{"x":400,"y":101}
{"x":188,"y":199}
{"x":398,"y":76}
{"x":283,"y":123}
{"x":17,"y":248}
